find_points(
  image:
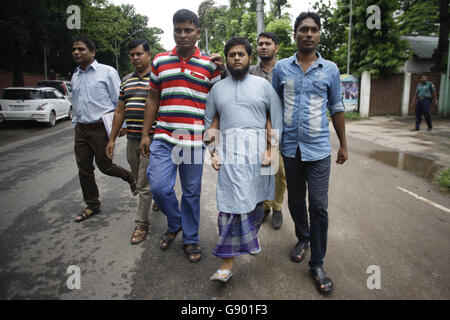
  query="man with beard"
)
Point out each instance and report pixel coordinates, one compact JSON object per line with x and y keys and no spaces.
{"x":267,"y":49}
{"x":309,"y":86}
{"x":242,"y":153}
{"x":95,"y":92}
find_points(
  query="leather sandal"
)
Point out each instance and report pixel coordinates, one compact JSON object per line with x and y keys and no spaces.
{"x":323,"y":283}
{"x":165,"y":240}
{"x":299,"y":252}
{"x":139,"y":235}
{"x":195,"y":249}
{"x":86,"y":214}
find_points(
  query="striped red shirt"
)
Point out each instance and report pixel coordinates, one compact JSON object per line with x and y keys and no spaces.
{"x":184,"y":86}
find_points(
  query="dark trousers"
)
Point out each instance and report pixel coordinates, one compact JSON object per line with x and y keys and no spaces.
{"x":90,"y":144}
{"x":314,"y":177}
{"x":423,"y":107}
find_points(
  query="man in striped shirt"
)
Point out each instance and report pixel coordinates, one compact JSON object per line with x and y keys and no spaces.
{"x":133,"y":93}
{"x":179,"y":84}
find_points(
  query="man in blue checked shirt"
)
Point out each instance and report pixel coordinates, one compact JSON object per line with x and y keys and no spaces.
{"x":309,"y":85}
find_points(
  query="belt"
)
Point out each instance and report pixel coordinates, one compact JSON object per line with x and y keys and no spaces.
{"x":94,"y":125}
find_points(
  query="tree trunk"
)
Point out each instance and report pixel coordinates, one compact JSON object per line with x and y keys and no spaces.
{"x":18,"y":67}
{"x":439,"y":53}
{"x":259,"y":16}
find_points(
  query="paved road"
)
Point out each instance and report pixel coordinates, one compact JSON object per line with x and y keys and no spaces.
{"x":372,"y":223}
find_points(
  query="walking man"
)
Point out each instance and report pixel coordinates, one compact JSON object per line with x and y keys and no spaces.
{"x":95,"y":92}
{"x":424,"y":91}
{"x":133,"y":93}
{"x":309,"y":86}
{"x":179,"y":84}
{"x":242,"y":186}
{"x":267,"y":49}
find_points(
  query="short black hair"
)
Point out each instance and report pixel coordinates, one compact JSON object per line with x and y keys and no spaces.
{"x":137,"y":42}
{"x":270,"y":35}
{"x":302,"y":16}
{"x":88,"y":42}
{"x":185,"y":15}
{"x":234,"y":41}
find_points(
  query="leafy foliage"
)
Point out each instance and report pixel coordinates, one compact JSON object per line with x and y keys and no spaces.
{"x":29,"y":26}
{"x":239,"y":19}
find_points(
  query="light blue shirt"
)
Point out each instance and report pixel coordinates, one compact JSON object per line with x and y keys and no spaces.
{"x":306,"y":98}
{"x":95,"y":92}
{"x":243,"y":106}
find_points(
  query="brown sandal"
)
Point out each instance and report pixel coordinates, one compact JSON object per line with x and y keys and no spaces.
{"x":86,"y":214}
{"x":139,"y":235}
{"x":134,"y":189}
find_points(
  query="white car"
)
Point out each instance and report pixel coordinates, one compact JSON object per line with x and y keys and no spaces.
{"x":32,"y":103}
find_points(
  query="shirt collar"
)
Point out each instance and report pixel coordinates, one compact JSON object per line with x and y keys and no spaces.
{"x":195,"y":55}
{"x":94,"y":66}
{"x":319,"y":62}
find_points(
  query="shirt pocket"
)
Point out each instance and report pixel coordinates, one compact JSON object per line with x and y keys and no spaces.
{"x":320,"y":87}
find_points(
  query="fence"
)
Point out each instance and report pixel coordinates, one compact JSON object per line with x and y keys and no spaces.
{"x":387,"y":94}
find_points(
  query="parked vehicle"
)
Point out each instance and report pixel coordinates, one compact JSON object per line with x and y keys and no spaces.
{"x":44,"y":104}
{"x":65,"y":87}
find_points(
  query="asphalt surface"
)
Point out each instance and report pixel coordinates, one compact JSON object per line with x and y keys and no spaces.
{"x":373,"y":222}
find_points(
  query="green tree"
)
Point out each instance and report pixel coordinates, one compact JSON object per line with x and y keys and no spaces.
{"x":284,"y":30}
{"x":379,"y":51}
{"x":419,"y":17}
{"x":332,"y":29}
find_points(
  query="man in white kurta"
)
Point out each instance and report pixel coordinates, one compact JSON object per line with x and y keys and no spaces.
{"x":243,"y":103}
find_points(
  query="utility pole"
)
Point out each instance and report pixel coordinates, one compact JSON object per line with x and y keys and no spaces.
{"x":207,"y":42}
{"x":45,"y":62}
{"x":349,"y":37}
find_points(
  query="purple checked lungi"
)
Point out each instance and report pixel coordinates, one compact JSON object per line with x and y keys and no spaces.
{"x":238,"y":233}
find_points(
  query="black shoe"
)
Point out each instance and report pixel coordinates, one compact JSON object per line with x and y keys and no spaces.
{"x":415,"y":129}
{"x":322,"y":282}
{"x":430,"y":129}
{"x":277,"y":219}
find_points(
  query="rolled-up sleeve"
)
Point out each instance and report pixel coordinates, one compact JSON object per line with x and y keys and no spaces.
{"x":276,"y":80}
{"x":335,"y":103}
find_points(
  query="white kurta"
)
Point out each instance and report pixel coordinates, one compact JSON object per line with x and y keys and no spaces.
{"x":242,"y":106}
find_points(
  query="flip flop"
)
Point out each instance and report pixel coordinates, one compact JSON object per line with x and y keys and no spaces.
{"x":227,"y":273}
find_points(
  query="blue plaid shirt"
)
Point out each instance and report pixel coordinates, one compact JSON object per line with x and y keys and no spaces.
{"x":306,"y":98}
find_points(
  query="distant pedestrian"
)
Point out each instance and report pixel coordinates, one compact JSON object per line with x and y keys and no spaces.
{"x":425,"y":90}
{"x":133,"y":93}
{"x":95,"y":92}
{"x":309,"y":86}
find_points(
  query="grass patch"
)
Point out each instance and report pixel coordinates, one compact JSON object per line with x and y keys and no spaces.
{"x":352,"y":115}
{"x":443,"y":180}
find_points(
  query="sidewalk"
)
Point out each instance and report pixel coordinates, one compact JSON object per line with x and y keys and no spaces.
{"x":394,"y":132}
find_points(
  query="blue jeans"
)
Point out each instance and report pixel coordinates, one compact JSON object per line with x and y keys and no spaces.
{"x":313,"y":175}
{"x":423,"y":107}
{"x":162,"y":173}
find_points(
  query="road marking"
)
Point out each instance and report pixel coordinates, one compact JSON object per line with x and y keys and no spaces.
{"x":434,"y":204}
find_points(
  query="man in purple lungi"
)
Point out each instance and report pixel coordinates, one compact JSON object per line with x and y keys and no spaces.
{"x":244,"y":104}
